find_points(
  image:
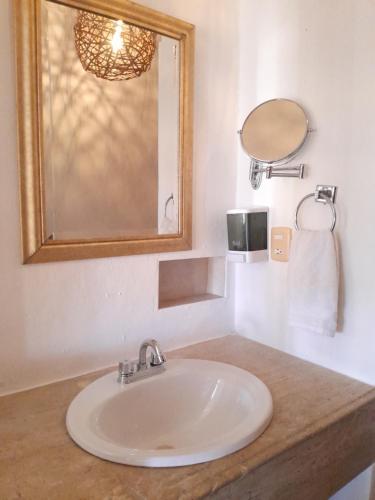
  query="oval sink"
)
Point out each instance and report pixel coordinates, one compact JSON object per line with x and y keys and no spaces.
{"x":193,"y":412}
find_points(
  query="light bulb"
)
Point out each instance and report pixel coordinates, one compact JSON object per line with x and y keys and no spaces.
{"x":117,"y":42}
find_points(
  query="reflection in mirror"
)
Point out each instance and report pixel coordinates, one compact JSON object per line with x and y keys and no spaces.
{"x":110,"y":109}
{"x":274,"y":131}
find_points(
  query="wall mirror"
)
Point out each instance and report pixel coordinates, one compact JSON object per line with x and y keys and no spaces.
{"x":271,"y":135}
{"x":104,"y":91}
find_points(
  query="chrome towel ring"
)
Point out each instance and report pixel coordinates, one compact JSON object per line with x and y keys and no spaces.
{"x":322,"y":194}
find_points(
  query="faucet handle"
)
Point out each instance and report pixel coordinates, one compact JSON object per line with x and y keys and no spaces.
{"x":125,"y":370}
{"x":157,"y":358}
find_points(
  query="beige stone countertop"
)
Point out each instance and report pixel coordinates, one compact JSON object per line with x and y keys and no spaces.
{"x":322,"y":434}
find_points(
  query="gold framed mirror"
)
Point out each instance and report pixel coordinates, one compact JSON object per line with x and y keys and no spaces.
{"x":105,"y":99}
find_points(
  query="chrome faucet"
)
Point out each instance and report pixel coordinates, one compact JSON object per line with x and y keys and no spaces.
{"x":131,"y":371}
{"x":157,"y":357}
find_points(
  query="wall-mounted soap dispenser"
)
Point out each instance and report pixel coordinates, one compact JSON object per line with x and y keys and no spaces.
{"x":247,"y":234}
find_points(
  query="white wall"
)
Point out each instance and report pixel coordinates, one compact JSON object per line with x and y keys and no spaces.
{"x":320,"y":54}
{"x":317,"y":53}
{"x":62,"y":319}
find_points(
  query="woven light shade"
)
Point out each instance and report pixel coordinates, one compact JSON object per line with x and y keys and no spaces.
{"x":113,"y":50}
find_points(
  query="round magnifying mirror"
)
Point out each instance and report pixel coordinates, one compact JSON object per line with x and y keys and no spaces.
{"x":274,"y":131}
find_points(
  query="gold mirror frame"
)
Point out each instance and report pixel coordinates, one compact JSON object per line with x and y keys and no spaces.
{"x":30,"y":152}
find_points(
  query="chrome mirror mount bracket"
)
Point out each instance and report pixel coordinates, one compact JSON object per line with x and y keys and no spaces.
{"x":255,"y":174}
{"x":257,"y":170}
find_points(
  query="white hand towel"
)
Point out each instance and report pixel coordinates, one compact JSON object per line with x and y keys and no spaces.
{"x":313,"y":282}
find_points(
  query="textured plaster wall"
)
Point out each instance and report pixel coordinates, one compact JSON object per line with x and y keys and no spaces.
{"x":66,"y":318}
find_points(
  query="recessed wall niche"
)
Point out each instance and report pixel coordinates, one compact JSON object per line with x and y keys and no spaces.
{"x":186,"y":281}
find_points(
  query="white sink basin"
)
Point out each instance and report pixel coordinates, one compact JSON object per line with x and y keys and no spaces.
{"x":193,"y":412}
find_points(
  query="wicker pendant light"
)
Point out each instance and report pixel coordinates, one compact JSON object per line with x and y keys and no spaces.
{"x":113,"y":50}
